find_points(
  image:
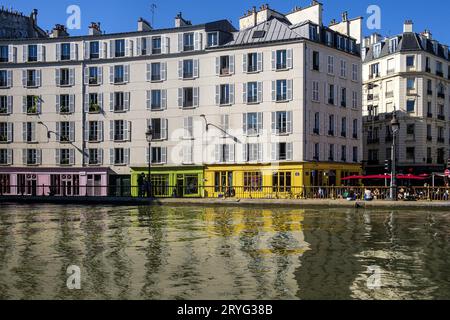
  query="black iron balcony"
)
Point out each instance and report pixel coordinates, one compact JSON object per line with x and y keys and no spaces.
{"x":343,"y":104}
{"x":429,"y":115}
{"x":355,"y":136}
{"x":252,"y":68}
{"x":343,"y":134}
{"x":440,"y":73}
{"x":441,"y":95}
{"x":331,"y":101}
{"x":430,"y":92}
{"x":331,"y":133}
{"x":441,"y":117}
{"x":429,"y":138}
{"x":316,"y":131}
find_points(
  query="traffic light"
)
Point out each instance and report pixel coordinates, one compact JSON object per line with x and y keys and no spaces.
{"x":388,"y":165}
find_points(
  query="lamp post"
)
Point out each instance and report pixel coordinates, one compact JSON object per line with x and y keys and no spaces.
{"x":149,"y":136}
{"x":395,"y":129}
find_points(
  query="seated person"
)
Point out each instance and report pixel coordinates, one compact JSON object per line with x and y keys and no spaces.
{"x":368,"y":195}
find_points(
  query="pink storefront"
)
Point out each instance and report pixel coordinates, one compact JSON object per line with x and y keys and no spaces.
{"x":54,"y":181}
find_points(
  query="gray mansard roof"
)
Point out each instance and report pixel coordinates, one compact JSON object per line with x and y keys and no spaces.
{"x":408,"y":42}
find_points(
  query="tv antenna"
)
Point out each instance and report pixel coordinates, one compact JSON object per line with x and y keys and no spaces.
{"x":153,"y":9}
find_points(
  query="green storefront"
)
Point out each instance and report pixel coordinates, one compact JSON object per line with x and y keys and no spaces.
{"x":186,"y":182}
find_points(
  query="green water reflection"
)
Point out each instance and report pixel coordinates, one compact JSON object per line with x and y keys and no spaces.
{"x":222,"y":253}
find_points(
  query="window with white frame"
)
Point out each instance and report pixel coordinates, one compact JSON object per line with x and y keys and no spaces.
{"x":224,"y":153}
{"x":354,"y":72}
{"x":330,"y":68}
{"x":282,"y":151}
{"x":282,"y":122}
{"x":253,"y":123}
{"x":315,"y":91}
{"x":343,"y":69}
{"x":253,"y":152}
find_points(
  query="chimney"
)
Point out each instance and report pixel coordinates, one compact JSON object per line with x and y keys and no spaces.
{"x":94,"y":29}
{"x":143,"y":25}
{"x":59,"y":31}
{"x":427,"y":34}
{"x":180,"y":22}
{"x":344,"y":16}
{"x":408,"y":26}
{"x":33,"y":16}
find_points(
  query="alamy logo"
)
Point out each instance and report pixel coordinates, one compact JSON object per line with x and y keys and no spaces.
{"x":374,"y":20}
{"x":74,"y":20}
{"x":74,"y":279}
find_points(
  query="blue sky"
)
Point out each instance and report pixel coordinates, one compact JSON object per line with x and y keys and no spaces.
{"x":117,"y":16}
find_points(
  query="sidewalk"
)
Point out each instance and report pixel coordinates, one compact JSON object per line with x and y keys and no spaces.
{"x":297,"y":204}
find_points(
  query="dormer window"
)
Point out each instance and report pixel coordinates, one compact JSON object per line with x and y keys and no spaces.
{"x":313,"y":33}
{"x":436,"y":47}
{"x":377,"y":50}
{"x":188,"y":41}
{"x":393,"y":44}
{"x":329,"y":38}
{"x":213,"y":39}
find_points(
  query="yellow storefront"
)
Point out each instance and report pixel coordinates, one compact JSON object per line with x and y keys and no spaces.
{"x":273,"y":181}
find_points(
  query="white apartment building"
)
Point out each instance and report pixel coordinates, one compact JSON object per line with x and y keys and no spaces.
{"x":408,"y":74}
{"x":276,"y":103}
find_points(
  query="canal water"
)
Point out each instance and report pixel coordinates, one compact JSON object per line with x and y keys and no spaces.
{"x":223,"y":253}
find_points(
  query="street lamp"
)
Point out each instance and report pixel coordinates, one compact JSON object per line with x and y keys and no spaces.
{"x":149,"y":136}
{"x":395,"y":125}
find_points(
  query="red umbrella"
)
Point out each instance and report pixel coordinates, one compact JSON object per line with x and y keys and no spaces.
{"x":409,"y":177}
{"x":377,"y":177}
{"x":352,"y":178}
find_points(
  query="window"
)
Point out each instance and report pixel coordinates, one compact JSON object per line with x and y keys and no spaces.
{"x":156,"y":71}
{"x":344,"y":97}
{"x":224,"y":153}
{"x":439,"y":69}
{"x":188,"y":41}
{"x":224,"y":94}
{"x":410,"y":105}
{"x":373,"y":156}
{"x":4,"y":54}
{"x":330,"y":65}
{"x":252,"y":152}
{"x":157,"y":155}
{"x":355,"y":154}
{"x":156,"y":100}
{"x":282,"y":122}
{"x":156,"y":45}
{"x":65,"y":51}
{"x":313,"y":32}
{"x":376,"y":50}
{"x":31,"y":156}
{"x":64,"y":77}
{"x":159,"y":129}
{"x":393,"y":44}
{"x":281,"y":62}
{"x":223,"y":181}
{"x":374,"y":70}
{"x":94,"y":157}
{"x":343,"y":127}
{"x":252,"y":92}
{"x":281,"y":181}
{"x":281,"y":94}
{"x":119,"y":130}
{"x":188,"y":97}
{"x":355,"y":129}
{"x":94,"y":50}
{"x":5,"y":132}
{"x":33,"y":53}
{"x":5,"y":77}
{"x":282,"y":151}
{"x":93,"y":76}
{"x":331,"y":94}
{"x":94,"y":131}
{"x":65,"y":131}
{"x":64,"y":103}
{"x":94,"y":106}
{"x":316,"y":155}
{"x":410,"y":153}
{"x":329,"y":38}
{"x":213,"y":39}
{"x":343,"y":69}
{"x":315,"y":91}
{"x":316,"y":60}
{"x":119,"y":156}
{"x":344,"y":153}
{"x":119,"y":74}
{"x":33,"y":103}
{"x":5,"y":159}
{"x":252,"y":181}
{"x":252,"y":123}
{"x":31,"y":80}
{"x":119,"y":102}
{"x":188,"y":69}
{"x":355,"y":99}
{"x":331,"y":125}
{"x":331,"y":152}
{"x":252,"y":62}
{"x":5,"y":104}
{"x":410,"y":129}
{"x":390,"y":66}
{"x":316,"y":123}
{"x":411,"y":84}
{"x":119,"y":48}
{"x":354,"y":72}
{"x":410,"y":61}
{"x":224,"y":67}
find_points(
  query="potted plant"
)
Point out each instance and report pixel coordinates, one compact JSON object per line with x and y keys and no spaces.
{"x":94,"y":108}
{"x":3,"y":138}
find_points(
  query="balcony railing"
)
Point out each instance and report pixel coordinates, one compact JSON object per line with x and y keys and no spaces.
{"x":316,"y":131}
{"x":441,"y":95}
{"x":440,"y":73}
{"x":441,"y":117}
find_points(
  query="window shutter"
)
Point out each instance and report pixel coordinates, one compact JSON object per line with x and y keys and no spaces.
{"x":58,"y":132}
{"x":72,"y":131}
{"x":111,"y":102}
{"x":164,"y":155}
{"x":274,"y":151}
{"x":38,"y":78}
{"x":164,"y":128}
{"x":24,"y":104}
{"x":180,"y":69}
{"x":260,"y":61}
{"x":126,"y":101}
{"x":165,"y":45}
{"x":180,"y":97}
{"x":289,"y":122}
{"x":245,"y":152}
{"x":260,"y":92}
{"x":86,"y":76}
{"x":24,"y":131}
{"x":9,"y":78}
{"x":198,"y":45}
{"x":217,"y":95}
{"x":196,"y":97}
{"x":58,"y":52}
{"x":58,"y":77}
{"x":58,"y":99}
{"x":232,"y":64}
{"x":72,"y":103}
{"x":139,"y":46}
{"x":163,"y":71}
{"x":100,"y":156}
{"x":24,"y":78}
{"x":25,"y":53}
{"x":126,"y":130}
{"x":101,"y":136}
{"x":217,"y":153}
{"x":100,"y":75}
{"x":126,"y":156}
{"x":11,"y":54}
{"x":148,"y":40}
{"x":87,"y":50}
{"x":104,"y":49}
{"x":25,"y":156}
{"x":112,"y":48}
{"x":274,"y":60}
{"x":225,"y":123}
{"x":260,"y":152}
{"x":86,"y":102}
{"x":164,"y":99}
{"x":100,"y":101}
{"x":274,"y":91}
{"x":10,"y":132}
{"x":111,"y":157}
{"x":86,"y":131}
{"x":111,"y":75}
{"x":289,"y":90}
{"x":126,"y":76}
{"x":289,"y":59}
{"x":244,"y":123}
{"x":39,"y":104}
{"x":274,"y":124}
{"x":217,"y":66}
{"x":149,"y":100}
{"x":231,"y":93}
{"x":244,"y":63}
{"x":128,"y":47}
{"x":260,"y":122}
{"x":73,"y":51}
{"x":244,"y":93}
{"x":111,"y":130}
{"x":289,"y":151}
{"x":231,"y":152}
{"x":180,"y":42}
{"x":9,"y":105}
{"x":9,"y":156}
{"x":149,"y":72}
{"x":196,"y":68}
{"x":40,"y":53}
